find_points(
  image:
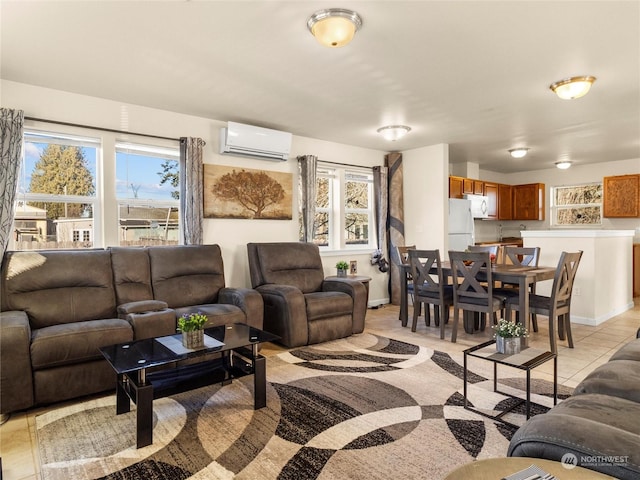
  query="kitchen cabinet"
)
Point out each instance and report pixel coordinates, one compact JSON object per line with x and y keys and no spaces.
{"x":505,"y":209}
{"x":491,"y":192}
{"x":498,"y":200}
{"x":460,"y":186}
{"x":528,"y":202}
{"x":621,"y":196}
{"x":455,"y":187}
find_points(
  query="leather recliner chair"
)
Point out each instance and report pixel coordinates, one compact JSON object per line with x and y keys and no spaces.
{"x":299,"y":304}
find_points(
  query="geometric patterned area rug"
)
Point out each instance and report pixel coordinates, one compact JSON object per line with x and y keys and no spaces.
{"x":364,"y":407}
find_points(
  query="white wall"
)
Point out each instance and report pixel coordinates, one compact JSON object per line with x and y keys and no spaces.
{"x":426,"y":193}
{"x":232,"y":235}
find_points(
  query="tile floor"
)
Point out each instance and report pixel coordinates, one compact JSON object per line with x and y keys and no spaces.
{"x":593,"y":347}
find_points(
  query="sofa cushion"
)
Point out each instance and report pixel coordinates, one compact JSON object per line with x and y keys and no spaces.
{"x":77,"y":342}
{"x":586,"y":426}
{"x":630,"y":351}
{"x":186,"y":275}
{"x":61,"y":286}
{"x":131,"y":274}
{"x":619,"y":378}
{"x":291,"y":263}
{"x":328,"y":304}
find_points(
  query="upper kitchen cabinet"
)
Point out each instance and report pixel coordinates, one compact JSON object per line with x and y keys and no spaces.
{"x":528,"y":201}
{"x":459,"y":186}
{"x":478,"y":187}
{"x":499,"y":201}
{"x":621,"y":196}
{"x":491,"y":192}
{"x":505,"y":203}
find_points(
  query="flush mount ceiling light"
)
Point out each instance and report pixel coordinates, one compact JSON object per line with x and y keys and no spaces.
{"x":394,"y":132}
{"x":518,"y":152}
{"x":334,"y":27}
{"x":574,"y":87}
{"x":563,"y":164}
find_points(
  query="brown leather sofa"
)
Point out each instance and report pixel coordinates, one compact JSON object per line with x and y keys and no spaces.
{"x":598,"y":427}
{"x":57,"y":308}
{"x":299,"y":304}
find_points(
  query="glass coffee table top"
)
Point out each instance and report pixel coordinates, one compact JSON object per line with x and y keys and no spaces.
{"x":151,"y":352}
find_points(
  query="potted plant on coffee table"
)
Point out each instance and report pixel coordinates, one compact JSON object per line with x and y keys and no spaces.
{"x":192,"y":327}
{"x":510,"y":337}
{"x":342,"y":267}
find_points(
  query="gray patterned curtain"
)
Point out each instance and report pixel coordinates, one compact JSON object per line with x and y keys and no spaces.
{"x":396,"y":220}
{"x":381,"y":204}
{"x":11,"y":125}
{"x":191,"y":190}
{"x":307,"y":166}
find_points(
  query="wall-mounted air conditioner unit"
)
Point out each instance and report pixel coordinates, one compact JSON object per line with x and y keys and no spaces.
{"x":250,"y":141}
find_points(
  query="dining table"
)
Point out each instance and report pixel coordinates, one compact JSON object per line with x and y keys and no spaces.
{"x":521,"y":275}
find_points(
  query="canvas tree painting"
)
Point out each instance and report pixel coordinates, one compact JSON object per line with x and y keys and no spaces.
{"x":231,"y":192}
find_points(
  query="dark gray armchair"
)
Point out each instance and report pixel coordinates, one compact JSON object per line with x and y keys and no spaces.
{"x":299,"y":304}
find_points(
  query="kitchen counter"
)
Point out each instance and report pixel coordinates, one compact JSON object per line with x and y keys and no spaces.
{"x":603,"y":286}
{"x":505,"y":241}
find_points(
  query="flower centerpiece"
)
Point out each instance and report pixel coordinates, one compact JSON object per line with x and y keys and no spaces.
{"x":510,"y":336}
{"x":192,"y":327}
{"x":342,"y":267}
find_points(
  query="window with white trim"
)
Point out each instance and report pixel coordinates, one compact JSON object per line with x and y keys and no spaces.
{"x":147,"y":180}
{"x":68,"y":197}
{"x":57,"y":191}
{"x":576,"y":205}
{"x":344,"y":208}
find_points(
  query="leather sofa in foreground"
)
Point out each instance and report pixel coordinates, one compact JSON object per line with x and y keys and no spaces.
{"x":58,"y":307}
{"x":598,"y":427}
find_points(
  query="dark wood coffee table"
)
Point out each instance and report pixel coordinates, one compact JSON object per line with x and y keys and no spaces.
{"x":151,"y":368}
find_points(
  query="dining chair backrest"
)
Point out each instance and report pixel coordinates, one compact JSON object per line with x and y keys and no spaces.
{"x":563,"y":280}
{"x":525,"y":256}
{"x":403,"y":253}
{"x":492,"y":249}
{"x":422,"y":262}
{"x":471,"y":276}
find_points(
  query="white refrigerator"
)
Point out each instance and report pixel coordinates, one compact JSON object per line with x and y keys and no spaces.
{"x":461,"y":229}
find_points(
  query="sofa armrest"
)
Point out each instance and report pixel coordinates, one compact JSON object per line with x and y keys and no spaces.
{"x":16,"y":379}
{"x":142,"y":306}
{"x":248,"y":300}
{"x":152,"y":324}
{"x":358,"y":293}
{"x":285,"y":313}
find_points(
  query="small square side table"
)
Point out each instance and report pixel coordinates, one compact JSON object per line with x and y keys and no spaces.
{"x":527,"y":359}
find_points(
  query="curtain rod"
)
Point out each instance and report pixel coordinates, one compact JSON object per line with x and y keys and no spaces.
{"x":113,"y":130}
{"x":344,"y":164}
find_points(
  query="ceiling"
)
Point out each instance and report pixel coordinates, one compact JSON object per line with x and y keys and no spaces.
{"x":474,"y":75}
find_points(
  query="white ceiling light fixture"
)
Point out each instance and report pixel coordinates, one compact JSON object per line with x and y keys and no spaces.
{"x":334,"y":27}
{"x":518,"y":152}
{"x":563,"y":164}
{"x":574,"y":87}
{"x":394,"y":132}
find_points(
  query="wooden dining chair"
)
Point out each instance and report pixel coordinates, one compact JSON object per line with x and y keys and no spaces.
{"x":492,"y":249}
{"x":403,"y":258}
{"x":430,"y":289}
{"x":558,"y":304}
{"x":473,"y":286}
{"x":524,"y":256}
